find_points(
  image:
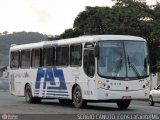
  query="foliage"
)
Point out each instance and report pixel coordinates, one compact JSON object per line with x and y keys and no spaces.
{"x":126,"y":17}
{"x":68,"y":33}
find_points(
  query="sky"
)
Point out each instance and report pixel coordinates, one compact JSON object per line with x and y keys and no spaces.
{"x":49,"y":17}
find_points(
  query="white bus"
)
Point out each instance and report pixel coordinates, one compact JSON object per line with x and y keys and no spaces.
{"x":99,"y":68}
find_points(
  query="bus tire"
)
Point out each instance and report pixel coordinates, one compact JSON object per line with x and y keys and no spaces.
{"x":78,"y":100}
{"x":29,"y":97}
{"x":123,"y":104}
{"x":150,"y":102}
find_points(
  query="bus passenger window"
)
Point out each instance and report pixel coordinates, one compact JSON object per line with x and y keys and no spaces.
{"x":14,"y":60}
{"x":25,"y":59}
{"x":89,"y":62}
{"x":36,"y":58}
{"x":62,"y":55}
{"x":76,"y":55}
{"x":48,"y":54}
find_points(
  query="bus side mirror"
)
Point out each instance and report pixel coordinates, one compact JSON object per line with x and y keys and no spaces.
{"x":96,"y":51}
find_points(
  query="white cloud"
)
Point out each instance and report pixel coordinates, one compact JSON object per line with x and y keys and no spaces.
{"x":151,"y":2}
{"x":44,"y":16}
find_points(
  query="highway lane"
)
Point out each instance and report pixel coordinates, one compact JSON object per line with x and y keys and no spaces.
{"x":10,"y":104}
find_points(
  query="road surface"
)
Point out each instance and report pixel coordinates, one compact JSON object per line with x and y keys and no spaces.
{"x":17,"y":108}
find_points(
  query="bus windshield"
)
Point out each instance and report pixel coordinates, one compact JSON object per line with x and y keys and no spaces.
{"x":123,"y":59}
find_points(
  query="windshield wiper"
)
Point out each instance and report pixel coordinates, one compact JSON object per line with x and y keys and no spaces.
{"x":131,"y":65}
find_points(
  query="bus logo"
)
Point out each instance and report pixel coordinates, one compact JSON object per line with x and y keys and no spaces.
{"x":49,"y":75}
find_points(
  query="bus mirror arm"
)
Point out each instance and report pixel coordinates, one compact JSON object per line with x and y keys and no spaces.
{"x":96,"y":51}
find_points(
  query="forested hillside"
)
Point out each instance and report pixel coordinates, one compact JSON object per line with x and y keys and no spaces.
{"x":17,"y":38}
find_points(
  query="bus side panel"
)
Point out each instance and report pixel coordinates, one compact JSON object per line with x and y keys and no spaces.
{"x":58,"y":83}
{"x":45,"y":82}
{"x":75,"y":76}
{"x":51,"y":83}
{"x":19,"y":78}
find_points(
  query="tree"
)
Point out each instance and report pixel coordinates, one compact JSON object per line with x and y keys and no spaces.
{"x":126,"y":17}
{"x":5,"y":32}
{"x":68,"y":33}
{"x":154,"y":42}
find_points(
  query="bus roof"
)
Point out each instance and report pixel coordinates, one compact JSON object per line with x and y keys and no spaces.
{"x":82,"y":39}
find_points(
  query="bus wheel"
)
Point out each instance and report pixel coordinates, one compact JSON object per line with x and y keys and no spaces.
{"x":150,"y":102}
{"x":78,"y":99}
{"x":123,"y":104}
{"x":29,"y":97}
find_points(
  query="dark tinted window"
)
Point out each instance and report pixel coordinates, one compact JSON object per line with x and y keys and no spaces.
{"x":36,"y":58}
{"x":76,"y":55}
{"x":25,"y":59}
{"x":48,"y":56}
{"x":14,"y":59}
{"x":62,"y":56}
{"x":89,"y":62}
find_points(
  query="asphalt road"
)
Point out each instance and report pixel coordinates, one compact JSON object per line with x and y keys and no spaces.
{"x":17,"y":108}
{"x":4,"y":85}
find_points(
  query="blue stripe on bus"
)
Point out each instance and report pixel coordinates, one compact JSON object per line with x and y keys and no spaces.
{"x":38,"y":91}
{"x":55,"y":97}
{"x":58,"y":94}
{"x":53,"y":91}
{"x":58,"y":91}
{"x":53,"y":88}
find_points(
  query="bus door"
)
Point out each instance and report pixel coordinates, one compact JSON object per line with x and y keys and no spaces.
{"x":89,"y":68}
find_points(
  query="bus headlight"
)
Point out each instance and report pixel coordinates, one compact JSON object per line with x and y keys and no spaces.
{"x":100,"y":82}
